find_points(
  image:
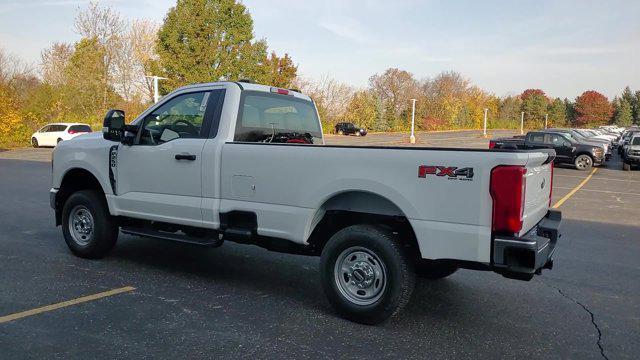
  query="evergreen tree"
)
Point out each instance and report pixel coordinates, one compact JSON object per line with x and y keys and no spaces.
{"x":209,"y":40}
{"x":624,"y":116}
{"x":557,"y":114}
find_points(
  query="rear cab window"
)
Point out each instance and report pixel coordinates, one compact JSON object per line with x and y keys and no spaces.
{"x":274,"y":118}
{"x":536,"y":138}
{"x":80,"y":128}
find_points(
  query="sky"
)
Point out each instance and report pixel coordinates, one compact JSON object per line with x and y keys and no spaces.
{"x":563,"y":47}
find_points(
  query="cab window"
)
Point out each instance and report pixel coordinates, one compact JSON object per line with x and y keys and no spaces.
{"x":536,"y":138}
{"x":274,"y":118}
{"x":180,"y":117}
{"x":556,"y":140}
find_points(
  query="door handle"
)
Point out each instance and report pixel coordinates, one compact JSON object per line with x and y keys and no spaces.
{"x":189,"y":157}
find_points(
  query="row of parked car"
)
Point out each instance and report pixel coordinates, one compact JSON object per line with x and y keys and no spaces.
{"x":582,"y":148}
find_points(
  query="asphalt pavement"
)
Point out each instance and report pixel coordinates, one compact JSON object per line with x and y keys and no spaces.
{"x":241,"y":301}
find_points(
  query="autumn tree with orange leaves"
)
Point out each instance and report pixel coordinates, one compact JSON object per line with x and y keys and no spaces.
{"x":592,"y":109}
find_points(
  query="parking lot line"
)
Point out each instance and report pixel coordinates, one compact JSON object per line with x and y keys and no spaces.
{"x":59,"y":305}
{"x":575,"y":189}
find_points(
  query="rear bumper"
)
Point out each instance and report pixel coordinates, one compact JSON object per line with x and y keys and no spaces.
{"x":524,"y":256}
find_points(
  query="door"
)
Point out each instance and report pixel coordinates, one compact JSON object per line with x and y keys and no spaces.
{"x":160,"y":176}
{"x":41,"y":136}
{"x":536,"y":141}
{"x":562,"y":146}
{"x":55,"y":133}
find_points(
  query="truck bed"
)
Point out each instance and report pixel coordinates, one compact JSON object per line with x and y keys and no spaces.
{"x":451,"y":215}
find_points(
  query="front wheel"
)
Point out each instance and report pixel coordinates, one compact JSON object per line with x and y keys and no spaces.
{"x":340,"y":132}
{"x":583,"y":162}
{"x":88,"y":228}
{"x":34,"y":142}
{"x":366,"y":274}
{"x":626,"y":166}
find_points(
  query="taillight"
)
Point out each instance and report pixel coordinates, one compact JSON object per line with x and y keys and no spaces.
{"x":492,"y":144}
{"x":508,"y":187}
{"x":72,"y":132}
{"x":551,"y":185}
{"x":279,"y":91}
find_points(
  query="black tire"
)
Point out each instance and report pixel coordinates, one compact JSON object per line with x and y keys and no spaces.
{"x":626,"y":166}
{"x":58,"y":141}
{"x":433,"y":269}
{"x":104,"y":228}
{"x":381,"y":249}
{"x":583,"y":162}
{"x":340,"y":132}
{"x":34,"y":142}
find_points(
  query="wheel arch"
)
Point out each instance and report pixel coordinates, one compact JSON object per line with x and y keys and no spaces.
{"x":73,"y":180}
{"x":351,"y":207}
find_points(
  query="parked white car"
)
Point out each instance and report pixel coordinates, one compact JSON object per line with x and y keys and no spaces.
{"x":247,"y":163}
{"x":52,"y":134}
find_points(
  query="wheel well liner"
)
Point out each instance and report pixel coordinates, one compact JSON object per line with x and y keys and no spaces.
{"x":359,"y":207}
{"x":75,"y":179}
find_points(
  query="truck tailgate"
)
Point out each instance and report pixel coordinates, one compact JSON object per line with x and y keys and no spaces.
{"x":538,"y":180}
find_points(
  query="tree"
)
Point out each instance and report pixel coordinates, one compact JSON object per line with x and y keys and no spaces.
{"x":10,"y":115}
{"x":54,"y":60}
{"x":362,"y":110}
{"x":395,"y":88}
{"x":280,"y":71}
{"x":209,"y":40}
{"x":105,"y":26}
{"x":570,"y":110}
{"x":557,"y":113}
{"x":330,"y":97}
{"x":85,"y":91}
{"x":510,"y":108}
{"x":592,"y":108}
{"x":636,"y":102}
{"x":624,"y":115}
{"x":534,"y":105}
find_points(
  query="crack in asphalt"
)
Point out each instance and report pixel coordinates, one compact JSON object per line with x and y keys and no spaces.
{"x":593,"y":318}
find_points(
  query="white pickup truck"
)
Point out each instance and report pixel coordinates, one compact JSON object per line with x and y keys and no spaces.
{"x":247,"y":163}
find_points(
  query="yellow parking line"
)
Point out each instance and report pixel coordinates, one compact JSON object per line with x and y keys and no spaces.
{"x":575,"y":189}
{"x":59,"y":305}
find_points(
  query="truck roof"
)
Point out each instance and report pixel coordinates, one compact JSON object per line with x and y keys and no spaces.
{"x":250,"y":87}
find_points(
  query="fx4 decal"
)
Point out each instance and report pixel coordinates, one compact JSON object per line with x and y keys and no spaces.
{"x":450,"y":172}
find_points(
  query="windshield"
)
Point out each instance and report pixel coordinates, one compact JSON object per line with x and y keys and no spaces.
{"x":273,"y":118}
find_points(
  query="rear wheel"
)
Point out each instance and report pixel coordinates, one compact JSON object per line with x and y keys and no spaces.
{"x":89,"y":230}
{"x":366,"y":274}
{"x":626,"y":166}
{"x":34,"y":142}
{"x":433,"y":269}
{"x":583,"y":162}
{"x":340,"y":132}
{"x":59,"y":140}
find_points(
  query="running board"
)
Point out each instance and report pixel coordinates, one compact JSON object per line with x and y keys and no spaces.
{"x":156,"y":234}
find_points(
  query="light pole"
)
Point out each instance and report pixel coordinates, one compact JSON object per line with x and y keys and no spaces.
{"x":546,"y":119}
{"x":156,"y":95}
{"x":484,"y":131}
{"x":412,"y":138}
{"x":522,"y":123}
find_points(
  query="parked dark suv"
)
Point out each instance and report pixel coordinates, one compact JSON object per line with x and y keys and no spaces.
{"x":347,"y":128}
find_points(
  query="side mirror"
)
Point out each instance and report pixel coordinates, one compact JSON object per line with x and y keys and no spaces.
{"x":113,"y":125}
